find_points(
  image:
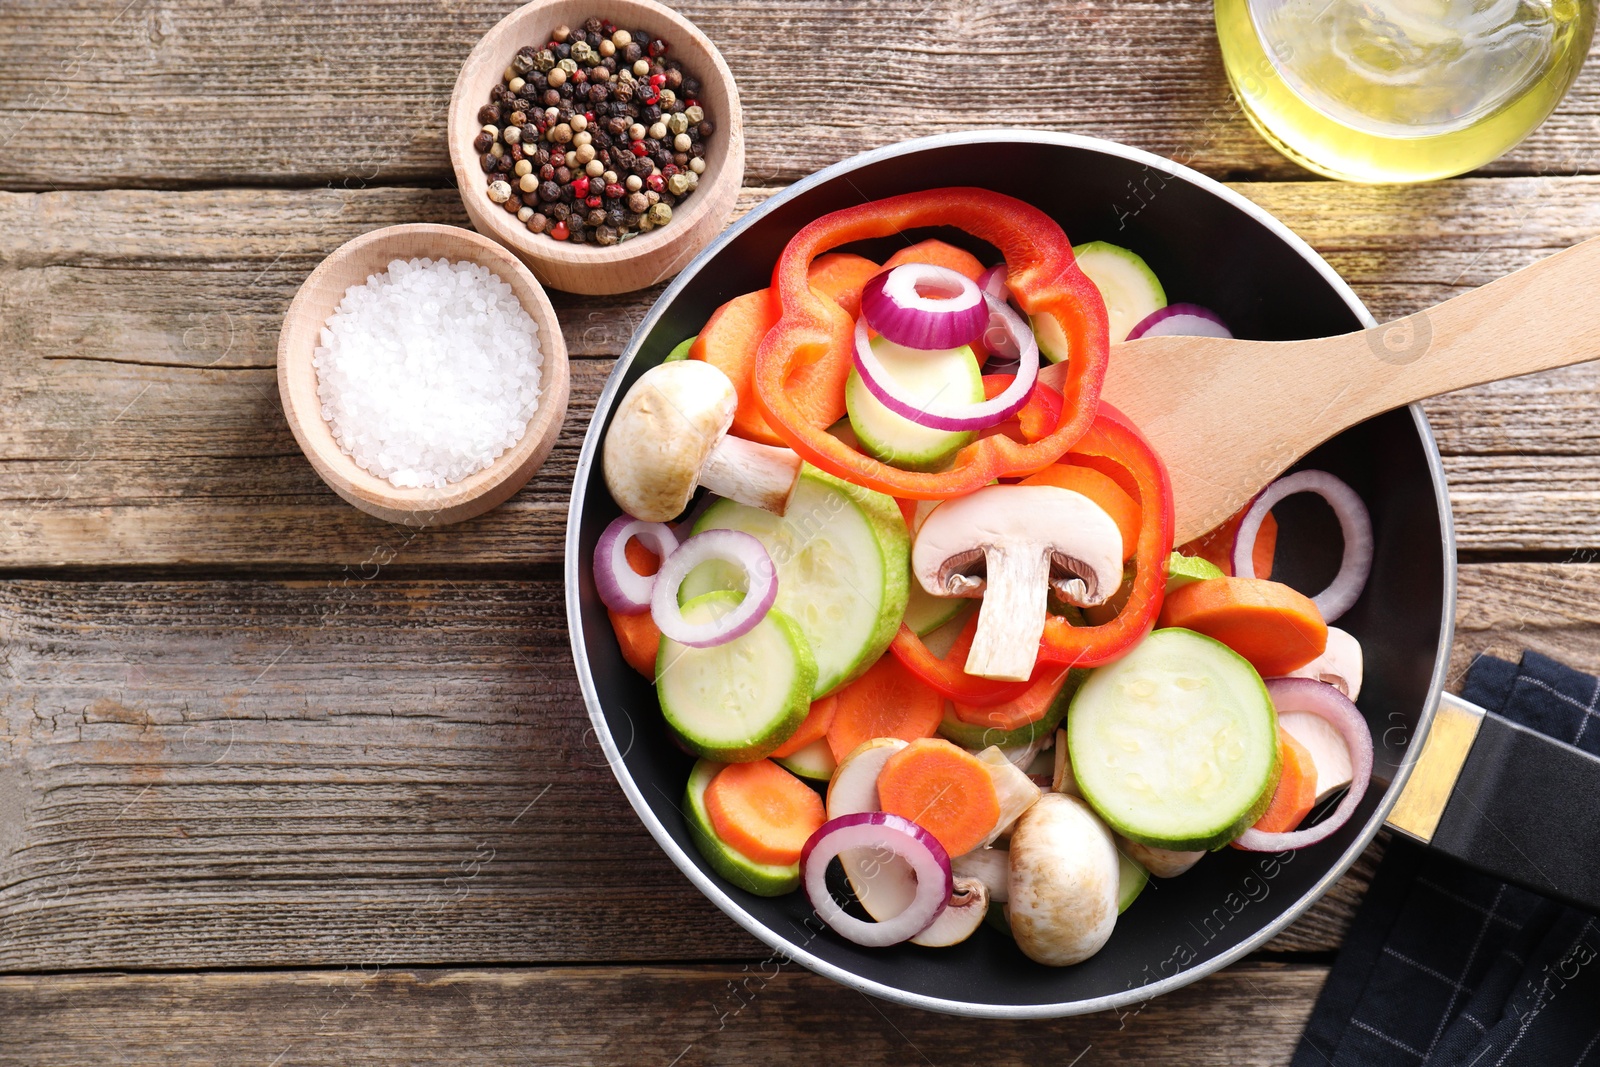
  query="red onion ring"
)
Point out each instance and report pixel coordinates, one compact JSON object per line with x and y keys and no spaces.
{"x":733,"y":546}
{"x":1354,"y":521}
{"x":993,"y":282}
{"x":1181,"y":320}
{"x":621,"y":588}
{"x":892,"y":304}
{"x":891,"y":833}
{"x":967,"y":416}
{"x":1326,"y":702}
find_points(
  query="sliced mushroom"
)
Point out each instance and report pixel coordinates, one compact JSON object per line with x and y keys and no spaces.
{"x":1329,"y":753}
{"x":960,"y":919}
{"x":1064,"y":882}
{"x":991,"y":866}
{"x":670,"y":435}
{"x":1161,"y":862}
{"x":1339,"y":665}
{"x":1011,"y":545}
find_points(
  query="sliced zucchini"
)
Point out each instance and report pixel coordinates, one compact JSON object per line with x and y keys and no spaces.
{"x":762,"y":879}
{"x":681,"y":351}
{"x":814,"y":762}
{"x":737,"y":701}
{"x":947,"y":376}
{"x":1126,"y":283}
{"x":1131,"y":880}
{"x":843,"y":560}
{"x":1175,"y":745}
{"x":1181,"y":570}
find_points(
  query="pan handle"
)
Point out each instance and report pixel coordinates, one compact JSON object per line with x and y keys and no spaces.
{"x":1508,"y":801}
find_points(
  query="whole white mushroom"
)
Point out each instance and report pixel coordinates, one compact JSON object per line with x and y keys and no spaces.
{"x":1064,"y":881}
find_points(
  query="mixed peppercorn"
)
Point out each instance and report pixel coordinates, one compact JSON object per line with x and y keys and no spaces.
{"x":594,"y":137}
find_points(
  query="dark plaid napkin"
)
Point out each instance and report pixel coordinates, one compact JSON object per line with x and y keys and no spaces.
{"x":1446,"y":967}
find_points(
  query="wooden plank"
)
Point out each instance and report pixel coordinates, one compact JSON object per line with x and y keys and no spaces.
{"x":138,"y":330}
{"x":268,"y":92}
{"x":202,"y":774}
{"x":1249,"y":1015}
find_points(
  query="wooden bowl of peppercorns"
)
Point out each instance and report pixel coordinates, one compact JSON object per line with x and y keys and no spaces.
{"x":599,"y":140}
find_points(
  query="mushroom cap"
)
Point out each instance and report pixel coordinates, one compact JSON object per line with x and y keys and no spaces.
{"x":1064,"y":882}
{"x":663,"y":430}
{"x":958,"y":534}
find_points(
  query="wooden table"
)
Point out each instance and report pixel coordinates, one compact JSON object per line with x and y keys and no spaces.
{"x":282,"y":784}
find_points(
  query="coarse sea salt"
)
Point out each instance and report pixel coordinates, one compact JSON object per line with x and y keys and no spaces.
{"x":428,"y":372}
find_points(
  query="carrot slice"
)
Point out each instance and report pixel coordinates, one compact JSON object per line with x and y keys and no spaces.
{"x":1098,"y":487}
{"x":763,"y":812}
{"x":1217,"y":546}
{"x":887,"y":701}
{"x":728,"y":342}
{"x":640,"y":639}
{"x":812,"y":728}
{"x":840,"y":276}
{"x":943,"y":789}
{"x":1297,"y":788}
{"x":638,"y":635}
{"x":940,"y":254}
{"x":1269,"y":624}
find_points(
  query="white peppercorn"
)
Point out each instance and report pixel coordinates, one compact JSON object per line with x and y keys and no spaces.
{"x":579,"y":123}
{"x":610,"y":177}
{"x":622,"y":38}
{"x":528,"y":183}
{"x":512,"y":135}
{"x":497,"y":150}
{"x":499,"y":191}
{"x":515,"y":85}
{"x":581,"y":139}
{"x":636,"y":132}
{"x":594,"y":168}
{"x":641,"y":68}
{"x":524,"y":213}
{"x":634,"y":183}
{"x":524,"y":166}
{"x":558,"y":78}
{"x":697,"y":165}
{"x":657,"y":131}
{"x":682,"y":142}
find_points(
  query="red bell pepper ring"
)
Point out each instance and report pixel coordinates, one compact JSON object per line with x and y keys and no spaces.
{"x":1115,"y":439}
{"x":1044,"y":279}
{"x":1112,"y":443}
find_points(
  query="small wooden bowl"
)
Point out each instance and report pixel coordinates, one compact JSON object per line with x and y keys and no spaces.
{"x":351,"y":264}
{"x":647,"y":258}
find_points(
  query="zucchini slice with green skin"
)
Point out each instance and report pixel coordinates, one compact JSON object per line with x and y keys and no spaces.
{"x":1181,"y":570}
{"x":737,"y":701}
{"x":1131,"y":880}
{"x":762,"y":879}
{"x":814,"y":762}
{"x":681,"y":351}
{"x":947,"y":376}
{"x":1127,"y":284}
{"x":977,"y":738}
{"x":843,"y":558}
{"x":1176,"y":744}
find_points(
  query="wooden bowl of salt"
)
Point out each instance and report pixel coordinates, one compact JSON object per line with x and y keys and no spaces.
{"x":410,"y":417}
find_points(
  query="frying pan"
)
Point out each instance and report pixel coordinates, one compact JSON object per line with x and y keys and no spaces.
{"x":1210,"y":246}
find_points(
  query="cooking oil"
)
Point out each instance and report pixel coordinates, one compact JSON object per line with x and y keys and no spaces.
{"x":1400,"y":90}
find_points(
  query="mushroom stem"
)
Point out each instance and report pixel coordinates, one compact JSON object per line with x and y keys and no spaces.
{"x":763,"y":476}
{"x":1011,"y":620}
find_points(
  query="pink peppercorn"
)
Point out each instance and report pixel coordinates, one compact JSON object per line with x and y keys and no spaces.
{"x":639,"y":149}
{"x":615,"y":191}
{"x":580,"y":187}
{"x":656,"y":183}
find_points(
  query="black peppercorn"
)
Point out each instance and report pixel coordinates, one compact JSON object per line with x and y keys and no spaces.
{"x":652,"y":114}
{"x":632,"y":53}
{"x":517,"y":118}
{"x":658,"y":47}
{"x":504,"y":163}
{"x":705,"y":129}
{"x":549,"y":192}
{"x":551,"y":98}
{"x":563,"y":174}
{"x":486,"y":161}
{"x":697,"y":150}
{"x":499,"y":94}
{"x":542,"y":158}
{"x":662,"y":157}
{"x":563,"y":50}
{"x":537,"y":223}
{"x":483,"y":142}
{"x":489,"y":113}
{"x":598,"y":92}
{"x":591,"y":24}
{"x":674,"y":79}
{"x":616,"y":218}
{"x":547,"y":172}
{"x":513,"y":203}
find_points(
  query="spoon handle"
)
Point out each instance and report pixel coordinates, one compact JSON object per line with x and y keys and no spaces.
{"x":1535,"y":319}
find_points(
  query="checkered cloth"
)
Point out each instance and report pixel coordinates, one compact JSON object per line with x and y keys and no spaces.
{"x":1446,"y":967}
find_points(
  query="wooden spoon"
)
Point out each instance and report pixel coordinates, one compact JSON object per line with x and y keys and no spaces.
{"x":1229,"y":416}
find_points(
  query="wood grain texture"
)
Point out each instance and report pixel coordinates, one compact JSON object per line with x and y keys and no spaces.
{"x":138,"y":330}
{"x":264,"y":92}
{"x":1251,"y":1016}
{"x":250,"y":773}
